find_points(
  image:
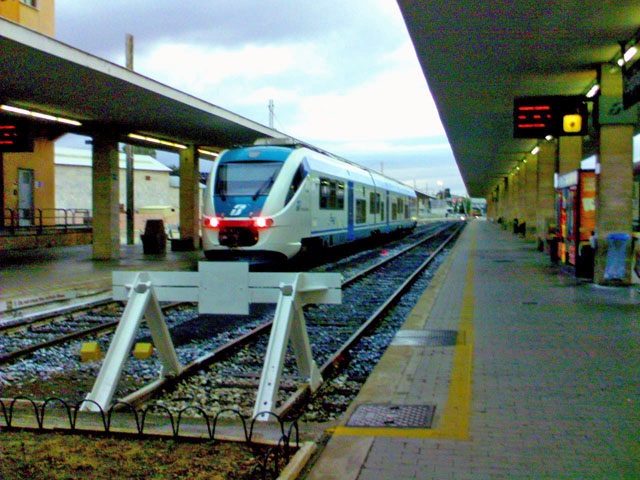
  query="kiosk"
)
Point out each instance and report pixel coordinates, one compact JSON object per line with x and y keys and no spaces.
{"x":576,"y":215}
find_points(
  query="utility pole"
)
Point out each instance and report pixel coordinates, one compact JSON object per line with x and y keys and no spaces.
{"x":129,"y":155}
{"x":271,"y":113}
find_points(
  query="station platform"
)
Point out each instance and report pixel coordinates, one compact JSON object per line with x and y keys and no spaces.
{"x":542,"y":382}
{"x":28,"y":277}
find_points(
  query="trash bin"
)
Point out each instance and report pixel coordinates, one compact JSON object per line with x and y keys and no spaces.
{"x":154,"y":238}
{"x":616,"y":265}
{"x":553,"y":249}
{"x":584,"y":262}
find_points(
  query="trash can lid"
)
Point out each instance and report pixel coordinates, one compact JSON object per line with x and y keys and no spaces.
{"x":618,"y":236}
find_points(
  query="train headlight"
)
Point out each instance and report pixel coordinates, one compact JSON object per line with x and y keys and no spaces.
{"x":210,"y":222}
{"x":262,"y":222}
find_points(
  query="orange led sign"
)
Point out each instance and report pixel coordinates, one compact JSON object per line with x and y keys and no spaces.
{"x":14,"y":136}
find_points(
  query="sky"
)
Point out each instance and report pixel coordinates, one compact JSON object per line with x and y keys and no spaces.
{"x":343,"y":75}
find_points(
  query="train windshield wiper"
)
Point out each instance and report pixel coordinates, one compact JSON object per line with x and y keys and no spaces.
{"x":264,"y":188}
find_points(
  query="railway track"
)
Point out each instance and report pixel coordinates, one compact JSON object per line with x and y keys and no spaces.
{"x":190,"y":344}
{"x":47,"y":325}
{"x":229,"y":377}
{"x":41,"y":332}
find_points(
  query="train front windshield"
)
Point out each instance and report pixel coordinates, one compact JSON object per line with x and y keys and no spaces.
{"x":252,"y":179}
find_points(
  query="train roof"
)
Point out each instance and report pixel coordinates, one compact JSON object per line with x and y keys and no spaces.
{"x":335,"y":166}
{"x":319,"y":160}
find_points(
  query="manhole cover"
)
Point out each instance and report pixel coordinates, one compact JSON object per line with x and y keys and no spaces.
{"x":427,"y":338}
{"x":397,"y":416}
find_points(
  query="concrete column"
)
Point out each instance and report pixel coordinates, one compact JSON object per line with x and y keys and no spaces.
{"x":530,"y":195}
{"x":514,"y":184}
{"x":189,"y":195}
{"x":508,"y":204}
{"x":614,"y":172}
{"x":614,"y":193}
{"x":504,"y":201}
{"x":500,"y":199}
{"x":545,"y":194}
{"x":569,"y":154}
{"x":522,"y":184}
{"x":106,"y":197}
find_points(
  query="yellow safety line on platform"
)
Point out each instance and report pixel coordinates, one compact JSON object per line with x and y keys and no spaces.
{"x":454,"y":424}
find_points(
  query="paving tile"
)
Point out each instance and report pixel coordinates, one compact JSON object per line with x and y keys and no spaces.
{"x":556,"y":372}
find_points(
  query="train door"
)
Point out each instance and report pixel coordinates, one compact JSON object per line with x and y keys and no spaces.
{"x":350,"y":206}
{"x":25,"y":197}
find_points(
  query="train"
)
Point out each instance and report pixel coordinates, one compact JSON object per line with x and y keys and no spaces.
{"x":268,"y":202}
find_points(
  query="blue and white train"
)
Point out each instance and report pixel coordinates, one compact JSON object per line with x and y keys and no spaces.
{"x":269,"y":202}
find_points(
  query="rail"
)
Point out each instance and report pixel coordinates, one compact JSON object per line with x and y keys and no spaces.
{"x":40,"y":220}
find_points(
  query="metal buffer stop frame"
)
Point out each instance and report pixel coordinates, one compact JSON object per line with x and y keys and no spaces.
{"x":218,"y":288}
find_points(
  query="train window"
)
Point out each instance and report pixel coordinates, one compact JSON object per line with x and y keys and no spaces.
{"x":246,"y":178}
{"x":394,"y":211}
{"x":298,"y":177}
{"x":382,"y":211}
{"x":331,"y":194}
{"x":374,"y":203}
{"x":361,"y":211}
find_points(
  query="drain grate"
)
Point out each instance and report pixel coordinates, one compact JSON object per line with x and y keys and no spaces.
{"x":427,"y":338}
{"x":397,"y":416}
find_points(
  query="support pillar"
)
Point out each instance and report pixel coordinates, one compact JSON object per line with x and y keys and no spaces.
{"x":614,"y":173}
{"x":522,"y":185}
{"x":189,"y":197}
{"x":530,"y":196}
{"x":569,"y":154}
{"x":492,"y":204}
{"x":106,"y":197}
{"x":513,"y":198}
{"x":545,"y":192}
{"x":503,"y":201}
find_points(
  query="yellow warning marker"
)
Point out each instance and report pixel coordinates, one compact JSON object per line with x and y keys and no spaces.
{"x":572,"y":123}
{"x":143,"y":351}
{"x":90,"y":351}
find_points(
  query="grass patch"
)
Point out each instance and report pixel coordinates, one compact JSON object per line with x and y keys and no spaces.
{"x":50,"y":456}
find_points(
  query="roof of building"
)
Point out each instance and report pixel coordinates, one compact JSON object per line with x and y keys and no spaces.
{"x":82,"y":158}
{"x":174,"y":182}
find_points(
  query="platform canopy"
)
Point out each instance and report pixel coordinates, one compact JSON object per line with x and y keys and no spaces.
{"x":478,"y":56}
{"x":40,"y":74}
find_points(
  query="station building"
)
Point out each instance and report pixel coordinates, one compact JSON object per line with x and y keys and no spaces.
{"x":27,"y":180}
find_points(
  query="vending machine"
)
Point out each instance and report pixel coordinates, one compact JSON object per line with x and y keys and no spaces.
{"x":576,"y":214}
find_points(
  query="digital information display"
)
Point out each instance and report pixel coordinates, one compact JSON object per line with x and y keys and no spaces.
{"x":537,"y":117}
{"x":15,"y":136}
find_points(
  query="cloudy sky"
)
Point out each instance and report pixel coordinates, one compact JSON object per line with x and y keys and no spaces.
{"x":343,"y":74}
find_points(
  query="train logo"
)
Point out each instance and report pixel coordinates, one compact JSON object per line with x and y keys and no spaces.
{"x":238,"y":209}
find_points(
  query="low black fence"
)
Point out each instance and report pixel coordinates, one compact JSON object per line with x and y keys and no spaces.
{"x":269,"y":459}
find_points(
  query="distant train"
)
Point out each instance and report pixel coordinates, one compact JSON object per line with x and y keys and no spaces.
{"x":269,"y":202}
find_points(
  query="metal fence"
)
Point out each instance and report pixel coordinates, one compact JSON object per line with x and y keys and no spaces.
{"x":44,"y":220}
{"x":269,"y":460}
